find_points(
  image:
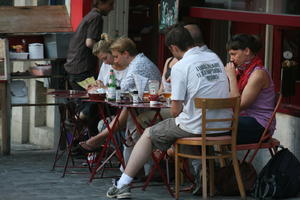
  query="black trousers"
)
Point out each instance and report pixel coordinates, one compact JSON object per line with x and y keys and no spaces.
{"x":249,"y":130}
{"x":89,"y":109}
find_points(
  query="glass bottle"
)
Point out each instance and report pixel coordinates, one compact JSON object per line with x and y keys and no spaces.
{"x":135,"y":97}
{"x":111,"y":87}
{"x":24,"y":45}
{"x":118,"y":94}
{"x":153,"y":87}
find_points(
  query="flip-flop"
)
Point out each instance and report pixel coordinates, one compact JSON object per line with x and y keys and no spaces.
{"x":86,"y":148}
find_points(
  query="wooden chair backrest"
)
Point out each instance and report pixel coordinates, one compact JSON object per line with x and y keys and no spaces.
{"x":219,"y":103}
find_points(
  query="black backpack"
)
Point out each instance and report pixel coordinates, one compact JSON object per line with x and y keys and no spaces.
{"x":280,"y":178}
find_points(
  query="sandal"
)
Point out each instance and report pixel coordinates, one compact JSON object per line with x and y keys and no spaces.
{"x":86,"y":148}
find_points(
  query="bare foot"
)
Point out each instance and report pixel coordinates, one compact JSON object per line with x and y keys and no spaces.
{"x":87,"y":148}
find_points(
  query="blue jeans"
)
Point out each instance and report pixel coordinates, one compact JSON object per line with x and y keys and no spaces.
{"x":249,"y":130}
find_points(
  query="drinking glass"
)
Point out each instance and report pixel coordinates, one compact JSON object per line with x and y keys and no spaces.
{"x":146,"y":96}
{"x":167,"y":94}
{"x":153,"y":87}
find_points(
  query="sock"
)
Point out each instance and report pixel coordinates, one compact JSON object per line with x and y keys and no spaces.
{"x":196,"y":163}
{"x":124,"y":180}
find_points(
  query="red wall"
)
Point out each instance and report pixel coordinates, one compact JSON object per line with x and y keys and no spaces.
{"x":79,"y":8}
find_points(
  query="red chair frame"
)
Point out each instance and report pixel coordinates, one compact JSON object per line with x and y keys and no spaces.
{"x":266,"y":141}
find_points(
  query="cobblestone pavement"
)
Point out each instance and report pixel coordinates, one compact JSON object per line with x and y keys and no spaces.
{"x":27,"y":175}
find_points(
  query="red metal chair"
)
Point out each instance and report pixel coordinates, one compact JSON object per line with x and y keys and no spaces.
{"x":67,"y":139}
{"x":105,"y":154}
{"x":266,"y":141}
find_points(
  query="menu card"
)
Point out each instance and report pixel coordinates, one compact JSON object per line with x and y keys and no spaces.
{"x":88,"y":81}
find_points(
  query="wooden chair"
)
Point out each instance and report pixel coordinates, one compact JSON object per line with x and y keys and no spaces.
{"x":205,"y":141}
{"x":266,"y":141}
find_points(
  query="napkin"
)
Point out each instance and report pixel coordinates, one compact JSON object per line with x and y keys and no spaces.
{"x":140,"y":84}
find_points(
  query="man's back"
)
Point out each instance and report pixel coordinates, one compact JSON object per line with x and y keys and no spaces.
{"x":198,"y":74}
{"x":80,"y":58}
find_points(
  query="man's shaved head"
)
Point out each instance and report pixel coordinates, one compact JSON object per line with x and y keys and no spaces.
{"x":196,"y":33}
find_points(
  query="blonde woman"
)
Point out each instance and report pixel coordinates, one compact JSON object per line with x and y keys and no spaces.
{"x":125,"y":54}
{"x":102,"y":50}
{"x":88,"y":110}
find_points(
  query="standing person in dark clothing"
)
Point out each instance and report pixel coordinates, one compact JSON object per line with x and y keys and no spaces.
{"x":81,"y":62}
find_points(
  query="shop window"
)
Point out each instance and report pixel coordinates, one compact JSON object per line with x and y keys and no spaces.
{"x":6,"y":3}
{"x":275,"y":6}
{"x":142,"y":26}
{"x":57,"y":2}
{"x":290,"y":68}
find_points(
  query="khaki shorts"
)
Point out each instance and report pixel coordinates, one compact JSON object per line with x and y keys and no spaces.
{"x":165,"y":133}
{"x":145,"y":118}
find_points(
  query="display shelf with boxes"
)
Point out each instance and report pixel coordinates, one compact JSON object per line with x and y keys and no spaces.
{"x":39,"y":62}
{"x":31,"y":35}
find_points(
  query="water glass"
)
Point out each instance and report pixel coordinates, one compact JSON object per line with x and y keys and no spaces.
{"x":167,"y":95}
{"x":153,"y":87}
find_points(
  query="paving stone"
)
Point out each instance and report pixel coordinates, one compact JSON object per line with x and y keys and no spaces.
{"x":27,"y":175}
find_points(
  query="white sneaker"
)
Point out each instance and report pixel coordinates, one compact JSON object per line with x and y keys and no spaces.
{"x":122,"y":193}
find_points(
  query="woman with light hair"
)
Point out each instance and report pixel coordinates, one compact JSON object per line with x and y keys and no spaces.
{"x":124,"y":54}
{"x":102,"y":50}
{"x":88,"y":110}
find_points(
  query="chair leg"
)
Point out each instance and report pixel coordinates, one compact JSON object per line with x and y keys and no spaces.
{"x":167,"y":169}
{"x":222,"y":160}
{"x":271,"y":150}
{"x":204,"y":178}
{"x":177,"y":173}
{"x":246,"y":155}
{"x":211,"y":178}
{"x":181,"y":169}
{"x":238,"y":175}
{"x":186,"y":171}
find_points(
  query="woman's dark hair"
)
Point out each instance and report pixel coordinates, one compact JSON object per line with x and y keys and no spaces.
{"x":243,"y":41}
{"x":179,"y":37}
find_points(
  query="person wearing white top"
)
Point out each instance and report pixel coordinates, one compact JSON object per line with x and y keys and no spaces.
{"x":203,"y":76}
{"x":124,"y":54}
{"x":139,"y":64}
{"x":89,"y":110}
{"x":103,"y":52}
{"x":196,"y":74}
{"x":103,"y":75}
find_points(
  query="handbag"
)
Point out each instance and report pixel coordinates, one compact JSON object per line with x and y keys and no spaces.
{"x":225,"y":180}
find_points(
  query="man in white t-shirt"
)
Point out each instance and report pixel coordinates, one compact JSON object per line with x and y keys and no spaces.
{"x":196,"y":74}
